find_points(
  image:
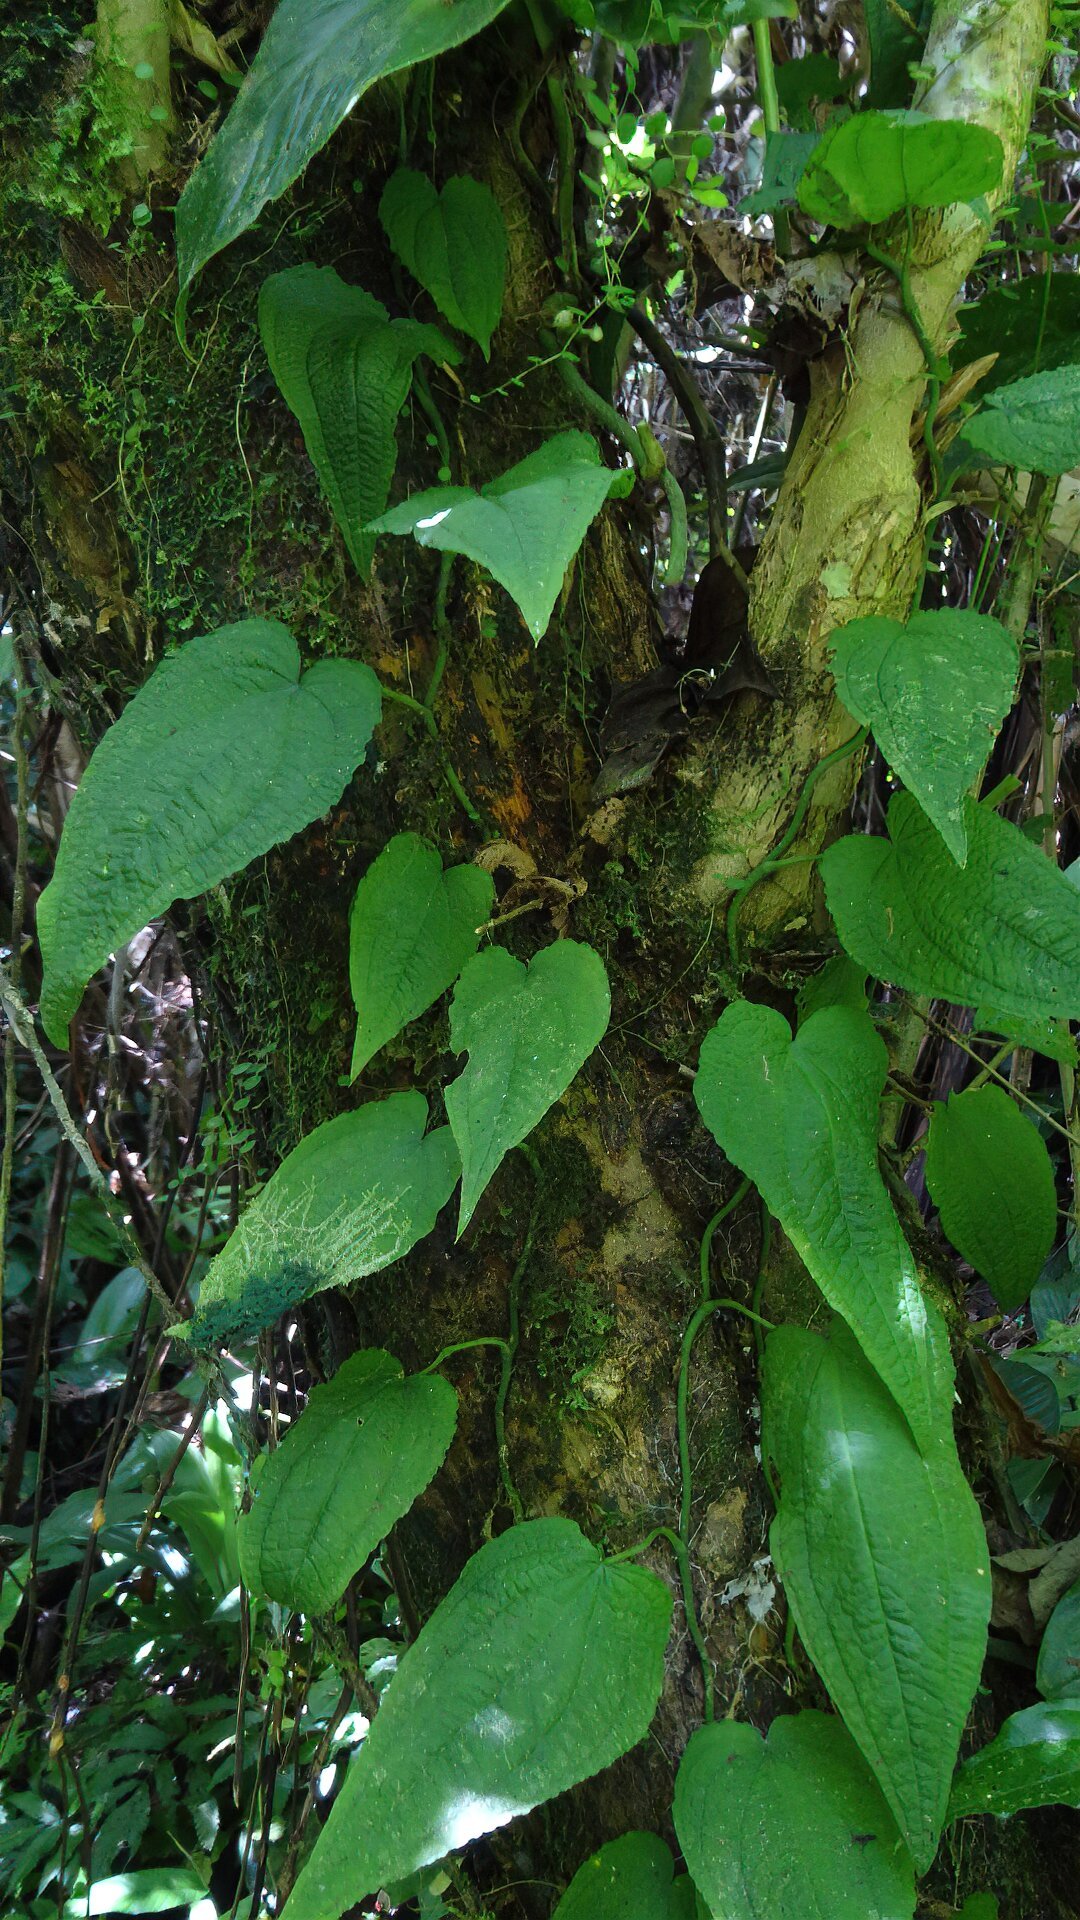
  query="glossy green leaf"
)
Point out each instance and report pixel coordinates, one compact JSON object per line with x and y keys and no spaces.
{"x":885,"y":1566}
{"x":13,"y":1581}
{"x":1004,"y":929}
{"x":345,"y":369}
{"x":527,"y":1031}
{"x":363,"y":1450}
{"x":354,"y":1196}
{"x":525,"y":527}
{"x":1033,"y":1762}
{"x":227,"y":750}
{"x":801,"y":1118}
{"x":316,"y":60}
{"x":1058,"y":1672}
{"x":143,"y":1890}
{"x":1034,"y":424}
{"x":628,"y":1879}
{"x":542,"y":1665}
{"x":411,"y":930}
{"x":934,"y":691}
{"x":871,"y":166}
{"x":991,"y":1180}
{"x":767,"y":1827}
{"x":453,"y":243}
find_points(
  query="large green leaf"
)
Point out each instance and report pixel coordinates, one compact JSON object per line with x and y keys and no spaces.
{"x":896,"y":37}
{"x":225,"y":751}
{"x":1032,"y":325}
{"x":935,"y":691}
{"x":801,"y":1118}
{"x":345,"y":369}
{"x":527,"y":1031}
{"x":767,"y":1828}
{"x":1034,"y":424}
{"x":991,"y":1180}
{"x":362,"y":1451}
{"x":355,"y":1195}
{"x":871,"y":166}
{"x":411,"y":930}
{"x":453,"y":242}
{"x":525,"y":527}
{"x":881,"y":1550}
{"x":1033,"y":1762}
{"x":543,"y":1664}
{"x":1004,"y":930}
{"x":317,"y":58}
{"x":1058,"y":1672}
{"x":628,"y":1879}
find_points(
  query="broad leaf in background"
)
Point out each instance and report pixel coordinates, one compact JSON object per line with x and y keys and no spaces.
{"x":885,"y":1566}
{"x":453,"y":243}
{"x":1032,"y":325}
{"x":13,"y":1581}
{"x":786,"y":155}
{"x":345,"y":369}
{"x":1034,"y":424}
{"x":1057,"y":1675}
{"x":801,"y":1118}
{"x":871,"y":166}
{"x":175,"y":1889}
{"x":362,"y":1451}
{"x":895,"y":38}
{"x":525,"y":527}
{"x":411,"y":929}
{"x":766,"y":1826}
{"x":934,"y":691}
{"x":629,"y":1879}
{"x":100,"y":1356}
{"x":227,"y":750}
{"x":1004,"y":929}
{"x":356,"y":1194}
{"x":1033,"y":1762}
{"x":1051,"y":1037}
{"x":542,"y":1665}
{"x":316,"y":60}
{"x":527,"y":1031}
{"x":992,"y":1181}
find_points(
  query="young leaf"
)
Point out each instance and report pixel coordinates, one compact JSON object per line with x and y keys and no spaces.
{"x":362,"y":1451}
{"x":543,"y":1664}
{"x":1004,"y":929}
{"x":453,"y":243}
{"x":316,"y":60}
{"x":874,"y":164}
{"x":801,"y":1118}
{"x":992,"y":1181}
{"x":527,"y":1031}
{"x":1033,"y":1762}
{"x":525,"y":527}
{"x":345,"y":369}
{"x":884,"y":1561}
{"x":1034,"y":424}
{"x":355,"y":1195}
{"x":629,"y":1879}
{"x":225,"y":751}
{"x":1057,"y":1675}
{"x":766,"y":1827}
{"x":935,"y":691}
{"x":411,"y":930}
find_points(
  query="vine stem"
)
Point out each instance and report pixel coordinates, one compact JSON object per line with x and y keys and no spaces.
{"x":432,"y":725}
{"x":770,"y":113}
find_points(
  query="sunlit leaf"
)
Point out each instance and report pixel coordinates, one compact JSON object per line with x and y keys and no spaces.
{"x":870,"y":166}
{"x":992,"y":1181}
{"x":453,"y":243}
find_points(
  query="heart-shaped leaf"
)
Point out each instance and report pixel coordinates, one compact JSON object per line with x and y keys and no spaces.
{"x":884,"y":1561}
{"x":629,"y":1879}
{"x":525,"y":527}
{"x":795,"y":1828}
{"x":453,"y":242}
{"x":872,"y":165}
{"x":316,"y":59}
{"x":1034,"y":424}
{"x":527,"y":1031}
{"x":411,"y":930}
{"x":1004,"y":929}
{"x":225,"y":751}
{"x":992,"y":1181}
{"x":1034,"y":1762}
{"x":356,"y":1194}
{"x":934,"y":691}
{"x":362,"y":1451}
{"x":542,"y":1665}
{"x":801,"y":1118}
{"x":345,"y":369}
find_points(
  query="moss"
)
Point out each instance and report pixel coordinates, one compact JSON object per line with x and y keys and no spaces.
{"x":569,"y":1324}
